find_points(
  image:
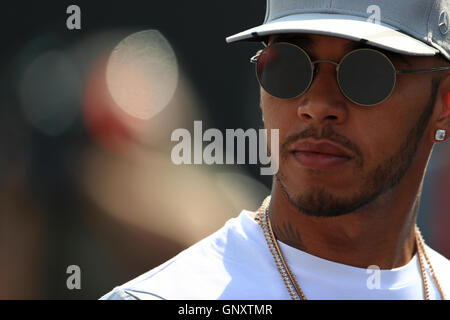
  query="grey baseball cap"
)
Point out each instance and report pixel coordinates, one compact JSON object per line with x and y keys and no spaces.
{"x":411,"y":27}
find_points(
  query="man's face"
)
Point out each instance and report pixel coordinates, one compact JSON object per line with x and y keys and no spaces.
{"x":381,"y":141}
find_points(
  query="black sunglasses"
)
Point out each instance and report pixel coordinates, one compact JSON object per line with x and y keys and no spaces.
{"x":366,"y":77}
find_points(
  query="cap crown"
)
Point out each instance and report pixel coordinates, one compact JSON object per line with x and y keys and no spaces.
{"x":425,"y":20}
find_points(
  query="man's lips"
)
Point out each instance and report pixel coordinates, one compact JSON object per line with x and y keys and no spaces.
{"x":321,"y":155}
{"x":324,"y":147}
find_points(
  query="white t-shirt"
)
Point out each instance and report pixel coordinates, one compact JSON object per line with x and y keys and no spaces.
{"x":235,"y":263}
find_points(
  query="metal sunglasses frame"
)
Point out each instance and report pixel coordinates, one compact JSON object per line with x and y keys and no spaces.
{"x":256,"y":57}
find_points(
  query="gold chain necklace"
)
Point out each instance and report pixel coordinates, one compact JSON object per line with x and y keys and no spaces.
{"x":289,"y":279}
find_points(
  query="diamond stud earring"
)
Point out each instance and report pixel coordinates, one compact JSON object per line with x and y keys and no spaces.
{"x":440,"y":135}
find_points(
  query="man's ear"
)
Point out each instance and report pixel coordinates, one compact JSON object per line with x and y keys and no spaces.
{"x":442,"y":125}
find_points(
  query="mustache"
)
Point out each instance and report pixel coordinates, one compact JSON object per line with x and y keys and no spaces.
{"x":327,"y":133}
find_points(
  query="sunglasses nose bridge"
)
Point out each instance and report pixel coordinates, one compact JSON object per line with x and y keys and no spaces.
{"x":314,"y":63}
{"x":315,"y":69}
{"x":326,"y":96}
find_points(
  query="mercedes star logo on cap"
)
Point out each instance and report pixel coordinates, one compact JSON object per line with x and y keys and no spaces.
{"x":443,"y":22}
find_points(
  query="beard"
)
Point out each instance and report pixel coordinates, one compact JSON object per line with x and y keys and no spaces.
{"x":319,"y":202}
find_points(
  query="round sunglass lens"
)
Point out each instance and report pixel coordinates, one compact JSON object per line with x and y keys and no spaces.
{"x":366,"y":77}
{"x":284,"y":70}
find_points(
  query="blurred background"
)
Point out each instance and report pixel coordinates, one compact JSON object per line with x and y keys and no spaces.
{"x":86,"y":176}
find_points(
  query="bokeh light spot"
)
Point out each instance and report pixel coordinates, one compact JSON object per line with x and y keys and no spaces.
{"x":142,"y":74}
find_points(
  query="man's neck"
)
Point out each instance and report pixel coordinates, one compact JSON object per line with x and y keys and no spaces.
{"x":381,"y":234}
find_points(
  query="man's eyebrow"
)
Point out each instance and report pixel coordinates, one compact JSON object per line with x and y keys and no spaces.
{"x":306,"y":42}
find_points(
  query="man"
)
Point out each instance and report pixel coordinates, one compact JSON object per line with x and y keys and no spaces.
{"x":360,"y":93}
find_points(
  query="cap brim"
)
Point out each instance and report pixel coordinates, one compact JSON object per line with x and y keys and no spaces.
{"x":343,"y":26}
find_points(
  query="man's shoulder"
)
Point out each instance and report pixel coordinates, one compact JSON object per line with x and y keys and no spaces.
{"x":201,"y":271}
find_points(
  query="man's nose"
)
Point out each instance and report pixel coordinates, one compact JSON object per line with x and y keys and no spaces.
{"x":324,"y":101}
